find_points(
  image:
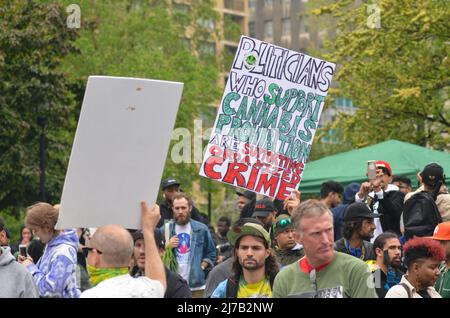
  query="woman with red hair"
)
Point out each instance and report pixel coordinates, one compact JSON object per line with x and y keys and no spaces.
{"x":422,"y":259}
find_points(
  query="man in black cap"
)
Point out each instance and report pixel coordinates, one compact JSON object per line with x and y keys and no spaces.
{"x":245,"y":198}
{"x":266,"y":212}
{"x":359,"y":227}
{"x":170,"y":187}
{"x":432,"y":178}
{"x":177,"y":287}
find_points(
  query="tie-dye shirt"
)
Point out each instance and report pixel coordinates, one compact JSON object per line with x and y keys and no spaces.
{"x":55,"y":272}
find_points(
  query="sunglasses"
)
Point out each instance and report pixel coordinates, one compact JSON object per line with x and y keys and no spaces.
{"x":283,"y":223}
{"x":86,"y":250}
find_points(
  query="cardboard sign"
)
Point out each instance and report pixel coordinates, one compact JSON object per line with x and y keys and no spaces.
{"x":267,"y":118}
{"x":119,"y":151}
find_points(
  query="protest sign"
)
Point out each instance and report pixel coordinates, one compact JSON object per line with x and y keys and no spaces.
{"x":267,"y":118}
{"x":119,"y":151}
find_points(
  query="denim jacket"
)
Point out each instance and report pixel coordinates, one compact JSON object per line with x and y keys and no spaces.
{"x":202,"y":249}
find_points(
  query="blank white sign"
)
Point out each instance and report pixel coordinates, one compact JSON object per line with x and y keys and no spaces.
{"x":119,"y":151}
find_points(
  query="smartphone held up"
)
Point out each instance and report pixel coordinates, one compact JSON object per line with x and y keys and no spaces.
{"x":371,"y":170}
{"x":23,"y":250}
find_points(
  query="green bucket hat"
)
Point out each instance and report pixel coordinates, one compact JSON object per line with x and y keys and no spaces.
{"x":247,"y":229}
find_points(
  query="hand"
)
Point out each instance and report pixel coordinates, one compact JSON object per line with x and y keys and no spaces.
{"x":291,"y":202}
{"x":377,"y":185}
{"x":204,"y":265}
{"x":364,"y":190}
{"x":25,"y":260}
{"x":174,"y":242}
{"x":220,"y":259}
{"x":150,"y":216}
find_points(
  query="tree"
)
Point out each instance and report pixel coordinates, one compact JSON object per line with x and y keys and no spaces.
{"x":158,"y":40}
{"x":36,"y":102}
{"x":392,"y":61}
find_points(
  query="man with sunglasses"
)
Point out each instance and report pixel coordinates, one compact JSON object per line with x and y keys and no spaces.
{"x":287,"y":250}
{"x":109,"y":256}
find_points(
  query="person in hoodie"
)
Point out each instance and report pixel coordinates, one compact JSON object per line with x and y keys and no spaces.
{"x":338,"y":212}
{"x":15,"y":280}
{"x":55,"y":272}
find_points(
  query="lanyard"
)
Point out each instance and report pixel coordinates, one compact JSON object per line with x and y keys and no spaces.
{"x":355,"y":251}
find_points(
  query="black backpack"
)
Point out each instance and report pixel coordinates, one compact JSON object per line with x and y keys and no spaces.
{"x":421,"y":215}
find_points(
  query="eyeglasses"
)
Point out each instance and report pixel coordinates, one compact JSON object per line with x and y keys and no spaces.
{"x":86,"y":250}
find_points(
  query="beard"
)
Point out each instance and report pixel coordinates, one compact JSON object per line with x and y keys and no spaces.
{"x":251,"y":264}
{"x":181,"y":220}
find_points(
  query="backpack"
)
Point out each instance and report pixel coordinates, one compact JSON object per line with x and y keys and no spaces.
{"x":421,"y":215}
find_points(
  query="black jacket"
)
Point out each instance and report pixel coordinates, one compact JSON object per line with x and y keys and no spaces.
{"x":177,"y":287}
{"x":167,"y":213}
{"x":390,"y":208}
{"x":369,"y":254}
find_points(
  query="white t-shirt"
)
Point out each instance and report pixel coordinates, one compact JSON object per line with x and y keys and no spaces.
{"x":184,"y":249}
{"x":125,"y":286}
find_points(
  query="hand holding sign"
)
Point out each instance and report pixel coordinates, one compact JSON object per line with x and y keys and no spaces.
{"x":150,"y":216}
{"x":291,"y":202}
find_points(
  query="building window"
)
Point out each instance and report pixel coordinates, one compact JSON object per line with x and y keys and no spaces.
{"x":207,"y":48}
{"x":286,"y":5}
{"x":252,"y":4}
{"x":206,"y":23}
{"x":268,"y":29}
{"x":303,"y":25}
{"x":252,"y":29}
{"x":181,"y":8}
{"x":286,"y":27}
{"x":268,"y":3}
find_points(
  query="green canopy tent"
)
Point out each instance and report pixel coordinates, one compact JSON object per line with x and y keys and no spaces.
{"x":405,"y":159}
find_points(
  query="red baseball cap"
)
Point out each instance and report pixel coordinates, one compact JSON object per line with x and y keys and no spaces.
{"x":384,"y":164}
{"x":441,"y":232}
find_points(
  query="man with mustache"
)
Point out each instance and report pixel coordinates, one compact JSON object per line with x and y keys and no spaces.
{"x":195,"y":250}
{"x":322,"y":272}
{"x":169,"y":188}
{"x":254,"y":266}
{"x":359,"y":227}
{"x":422,"y":259}
{"x":388,"y":265}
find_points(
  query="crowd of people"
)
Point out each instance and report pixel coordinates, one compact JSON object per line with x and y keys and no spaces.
{"x":377,"y":239}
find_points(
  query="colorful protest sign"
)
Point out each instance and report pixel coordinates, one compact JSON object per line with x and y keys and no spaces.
{"x":119,"y":151}
{"x":267,"y":118}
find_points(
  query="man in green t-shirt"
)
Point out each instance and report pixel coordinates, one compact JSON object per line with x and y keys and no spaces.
{"x":442,"y":234}
{"x":322,"y":272}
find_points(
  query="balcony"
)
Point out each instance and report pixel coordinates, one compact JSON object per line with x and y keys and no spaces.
{"x":234,"y":5}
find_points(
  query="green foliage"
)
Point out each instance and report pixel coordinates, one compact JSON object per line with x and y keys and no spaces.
{"x":148,"y":41}
{"x":33,"y":41}
{"x":13,"y":224}
{"x":397,"y":75}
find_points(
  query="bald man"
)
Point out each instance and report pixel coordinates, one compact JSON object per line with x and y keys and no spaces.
{"x":109,"y":254}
